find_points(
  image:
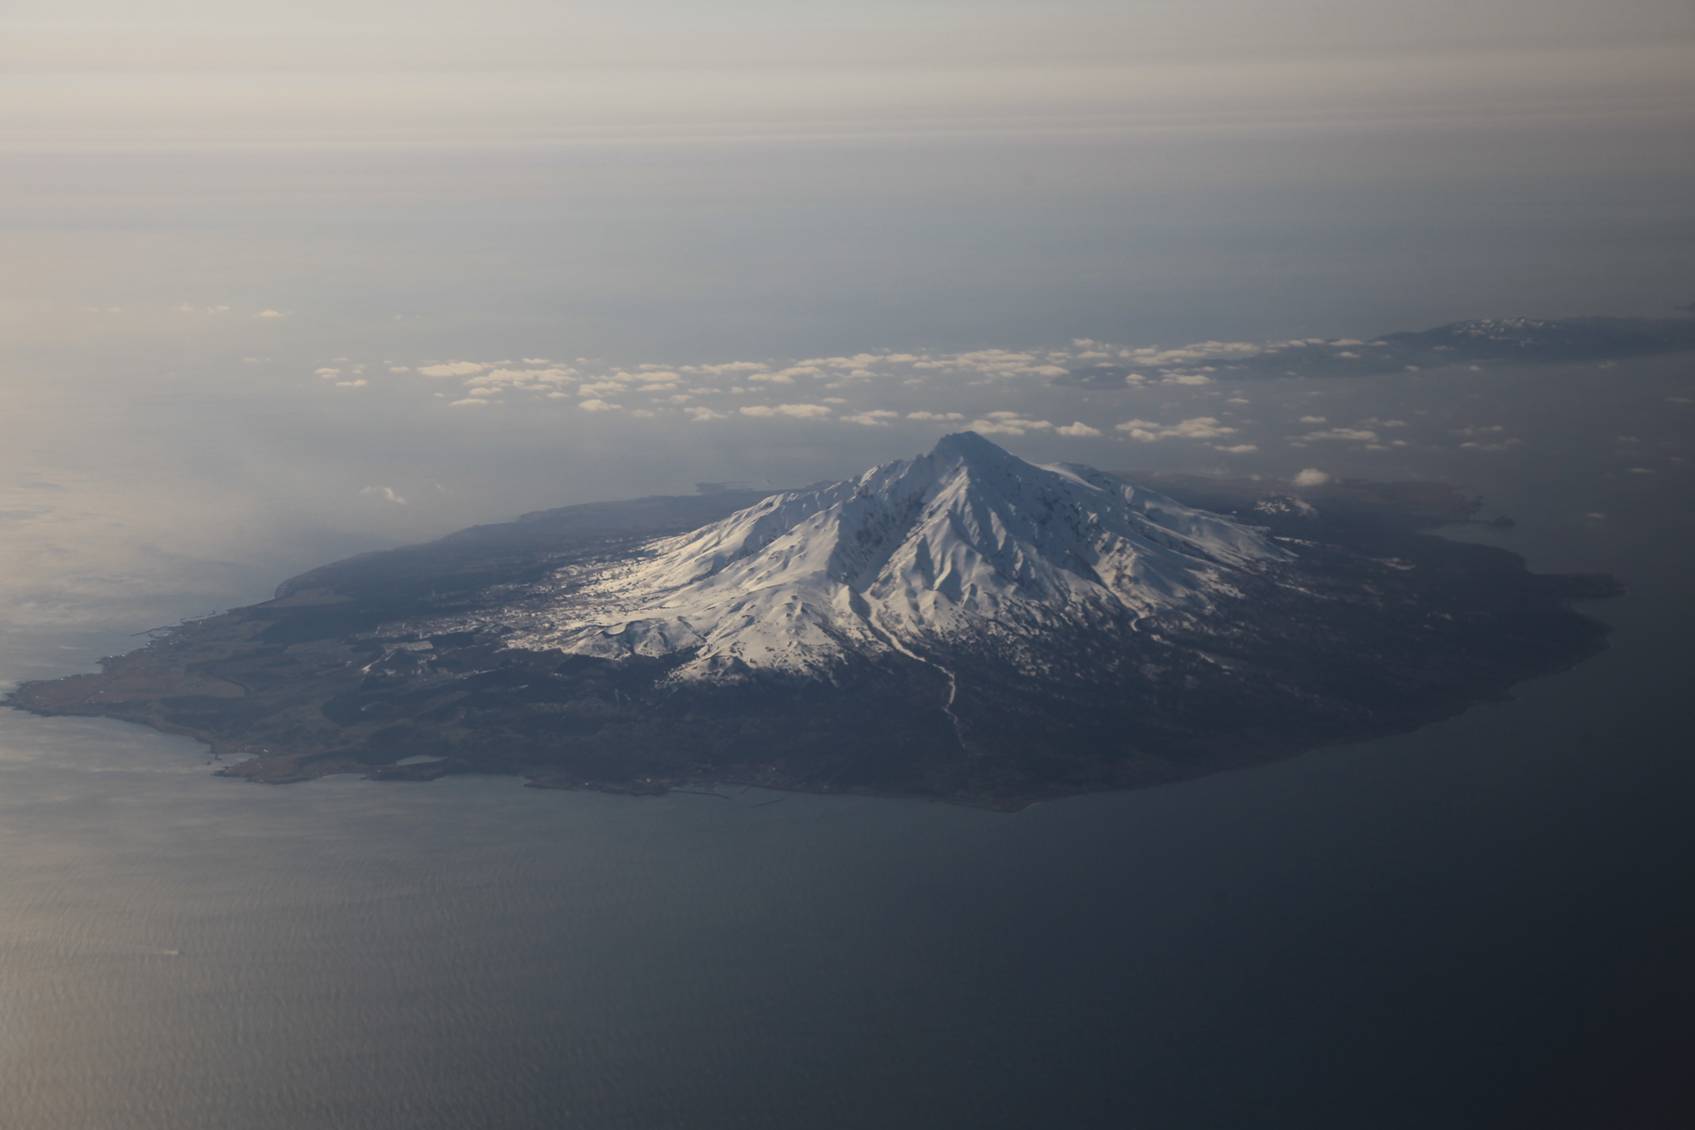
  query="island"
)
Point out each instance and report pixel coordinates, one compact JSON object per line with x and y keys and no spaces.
{"x":962,"y":626}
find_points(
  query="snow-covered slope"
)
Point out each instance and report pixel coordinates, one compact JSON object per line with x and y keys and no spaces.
{"x":965,"y":544}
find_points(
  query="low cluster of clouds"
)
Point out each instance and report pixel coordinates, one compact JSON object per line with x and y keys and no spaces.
{"x":268,"y":313}
{"x":989,"y":391}
{"x":1195,"y":427}
{"x":1084,"y":361}
{"x":679,"y":384}
{"x":792,"y":411}
{"x":1487,"y":437}
{"x":710,"y":393}
{"x":1371,"y":433}
{"x":1199,"y":363}
{"x":1207,"y":428}
{"x":843,"y":388}
{"x":342,"y":374}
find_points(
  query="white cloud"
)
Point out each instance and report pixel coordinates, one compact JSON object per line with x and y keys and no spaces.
{"x":1311,"y":477}
{"x":1200,"y":427}
{"x":793,"y":411}
{"x":1342,"y":435}
{"x":452,"y":369}
{"x":469,"y":402}
{"x":387,"y":494}
{"x":727,"y":368}
{"x":699,"y":413}
{"x":1199,"y":351}
{"x":1236,"y":448}
{"x":874,"y":418}
{"x":267,"y":312}
{"x":595,"y":404}
{"x":787,"y":376}
{"x":1195,"y":427}
{"x":525,"y":378}
{"x":1008,"y":424}
{"x":972,"y":373}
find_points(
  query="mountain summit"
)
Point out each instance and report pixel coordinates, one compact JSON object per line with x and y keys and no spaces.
{"x":967,"y":544}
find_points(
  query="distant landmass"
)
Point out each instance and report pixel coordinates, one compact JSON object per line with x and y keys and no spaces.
{"x":1549,"y":339}
{"x":963,"y":625}
{"x":1522,"y":341}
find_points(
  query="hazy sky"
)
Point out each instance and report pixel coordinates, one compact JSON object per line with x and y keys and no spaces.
{"x":391,"y":73}
{"x":233,"y":239}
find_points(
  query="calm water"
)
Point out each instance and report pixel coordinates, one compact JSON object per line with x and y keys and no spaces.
{"x":1476,"y":925}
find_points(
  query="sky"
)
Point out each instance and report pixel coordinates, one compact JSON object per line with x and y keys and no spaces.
{"x":194,"y":74}
{"x":283,"y":282}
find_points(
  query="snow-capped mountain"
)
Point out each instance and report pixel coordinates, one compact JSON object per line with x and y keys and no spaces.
{"x":962,"y":625}
{"x":966,"y":546}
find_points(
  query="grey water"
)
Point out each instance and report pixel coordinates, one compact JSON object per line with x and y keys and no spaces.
{"x":1483,"y":923}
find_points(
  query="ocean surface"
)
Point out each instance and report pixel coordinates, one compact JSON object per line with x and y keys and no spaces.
{"x":1484,"y":923}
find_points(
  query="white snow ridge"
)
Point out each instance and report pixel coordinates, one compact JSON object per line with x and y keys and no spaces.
{"x":966,"y":543}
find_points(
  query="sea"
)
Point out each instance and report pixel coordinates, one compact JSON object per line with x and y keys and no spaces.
{"x":1484,"y":923}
